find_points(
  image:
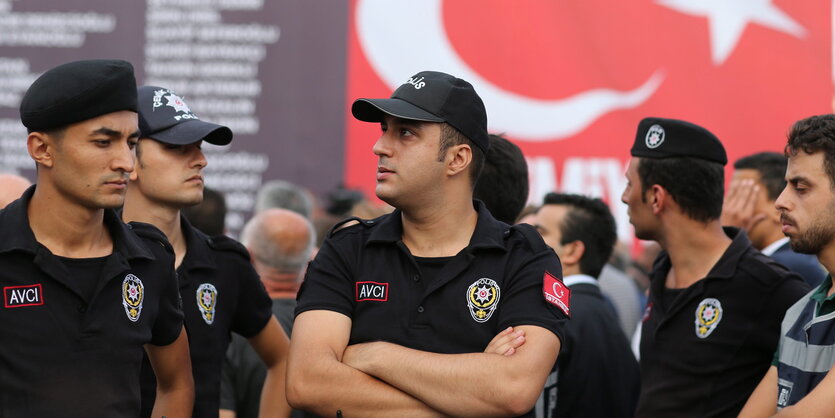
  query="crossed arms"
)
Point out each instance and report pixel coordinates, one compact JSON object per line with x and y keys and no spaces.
{"x":763,"y":401}
{"x":324,"y":374}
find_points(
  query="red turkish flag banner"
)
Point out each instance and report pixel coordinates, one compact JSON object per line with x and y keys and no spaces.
{"x":569,"y":81}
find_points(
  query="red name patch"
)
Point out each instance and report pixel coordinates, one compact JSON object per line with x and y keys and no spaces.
{"x":372,"y":291}
{"x":556,"y":293}
{"x":20,"y":296}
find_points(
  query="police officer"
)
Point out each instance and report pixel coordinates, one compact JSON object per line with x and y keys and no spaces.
{"x":418,"y":294}
{"x":220,"y":290}
{"x":83,"y":292}
{"x":715,"y":303}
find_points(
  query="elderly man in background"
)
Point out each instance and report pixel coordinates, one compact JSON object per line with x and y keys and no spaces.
{"x":280,"y":242}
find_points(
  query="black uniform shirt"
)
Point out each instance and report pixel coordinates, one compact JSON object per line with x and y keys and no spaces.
{"x":366,"y":273}
{"x":63,"y":353}
{"x":221,"y":293}
{"x":704,"y":351}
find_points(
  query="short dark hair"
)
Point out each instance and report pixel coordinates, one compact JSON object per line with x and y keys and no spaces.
{"x":451,"y":137}
{"x":503,"y":183}
{"x":209,"y":215}
{"x":815,"y":134}
{"x":590,"y":221}
{"x":696,"y":185}
{"x":772,"y":169}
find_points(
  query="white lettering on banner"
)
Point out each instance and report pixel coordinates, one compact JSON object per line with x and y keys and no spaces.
{"x":592,"y":176}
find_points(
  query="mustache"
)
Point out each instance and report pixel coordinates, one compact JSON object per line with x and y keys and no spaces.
{"x":787,"y":219}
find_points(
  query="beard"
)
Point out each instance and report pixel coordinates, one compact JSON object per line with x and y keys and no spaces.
{"x":817,"y":236}
{"x":813,"y":240}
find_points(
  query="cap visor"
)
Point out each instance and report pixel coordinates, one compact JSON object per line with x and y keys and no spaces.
{"x":194,"y":130}
{"x":372,"y":110}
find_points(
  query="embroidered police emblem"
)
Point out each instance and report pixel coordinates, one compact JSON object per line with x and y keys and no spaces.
{"x":207,"y":301}
{"x":655,"y":136}
{"x":483,"y":298}
{"x":708,"y":315}
{"x":133,"y":294}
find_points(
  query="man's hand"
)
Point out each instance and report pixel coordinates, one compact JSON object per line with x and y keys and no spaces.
{"x":506,"y":342}
{"x":739,"y":205}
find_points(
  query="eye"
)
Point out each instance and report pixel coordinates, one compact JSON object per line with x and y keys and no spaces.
{"x":406,"y":132}
{"x":101,"y":142}
{"x":132,"y":144}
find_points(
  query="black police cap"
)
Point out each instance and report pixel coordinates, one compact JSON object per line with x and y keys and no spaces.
{"x":432,"y":96}
{"x":78,"y":91}
{"x":165,"y":116}
{"x":664,"y":138}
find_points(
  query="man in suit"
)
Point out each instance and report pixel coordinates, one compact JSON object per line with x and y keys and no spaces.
{"x":594,"y":353}
{"x":757,"y":181}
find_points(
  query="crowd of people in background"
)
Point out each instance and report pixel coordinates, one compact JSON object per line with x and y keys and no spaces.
{"x":457,"y":295}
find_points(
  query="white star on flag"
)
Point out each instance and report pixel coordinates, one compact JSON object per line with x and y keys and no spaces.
{"x":727,"y":20}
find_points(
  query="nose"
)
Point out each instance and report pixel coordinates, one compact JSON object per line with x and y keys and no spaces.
{"x":782,"y":201}
{"x":198,"y":159}
{"x":382,"y":146}
{"x":125,"y":159}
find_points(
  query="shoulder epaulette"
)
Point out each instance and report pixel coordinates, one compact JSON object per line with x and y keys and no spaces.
{"x":151,"y":233}
{"x":534,"y":238}
{"x":342,"y":224}
{"x":224,"y":243}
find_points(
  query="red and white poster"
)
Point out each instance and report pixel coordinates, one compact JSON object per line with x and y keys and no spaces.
{"x":568,"y":81}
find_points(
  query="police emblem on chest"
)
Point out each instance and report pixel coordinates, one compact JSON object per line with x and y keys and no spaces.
{"x":207,"y":301}
{"x":133,"y":295}
{"x":708,"y":315}
{"x":482,"y":299}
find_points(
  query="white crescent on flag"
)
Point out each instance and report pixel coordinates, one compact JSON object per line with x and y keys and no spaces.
{"x":397,"y":51}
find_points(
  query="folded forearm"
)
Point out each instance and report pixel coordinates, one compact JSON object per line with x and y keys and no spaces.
{"x":340,"y":387}
{"x":475,"y":384}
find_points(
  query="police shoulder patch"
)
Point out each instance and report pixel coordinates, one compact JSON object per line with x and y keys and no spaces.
{"x":133,"y":296}
{"x":708,"y":315}
{"x":207,"y":302}
{"x":483,"y":298}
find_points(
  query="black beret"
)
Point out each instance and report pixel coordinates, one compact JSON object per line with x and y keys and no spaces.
{"x":664,"y":138}
{"x":78,"y":91}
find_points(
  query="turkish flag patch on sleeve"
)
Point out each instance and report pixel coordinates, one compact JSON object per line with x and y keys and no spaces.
{"x":556,"y":293}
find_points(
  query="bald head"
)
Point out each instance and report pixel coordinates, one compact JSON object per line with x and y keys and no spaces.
{"x":280,"y":239}
{"x":11,"y":187}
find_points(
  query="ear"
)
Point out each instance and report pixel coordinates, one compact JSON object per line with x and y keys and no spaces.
{"x":572,"y":252}
{"x":658,"y":198}
{"x":458,"y":158}
{"x":41,"y":148}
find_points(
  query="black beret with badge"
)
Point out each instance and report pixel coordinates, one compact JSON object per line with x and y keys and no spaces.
{"x":432,"y":96}
{"x":664,"y":138}
{"x":78,"y":91}
{"x":165,"y":117}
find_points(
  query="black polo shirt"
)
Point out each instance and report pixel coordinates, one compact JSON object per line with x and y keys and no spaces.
{"x":365,"y":272}
{"x":221,"y":294}
{"x":63,"y":353}
{"x":705,"y":350}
